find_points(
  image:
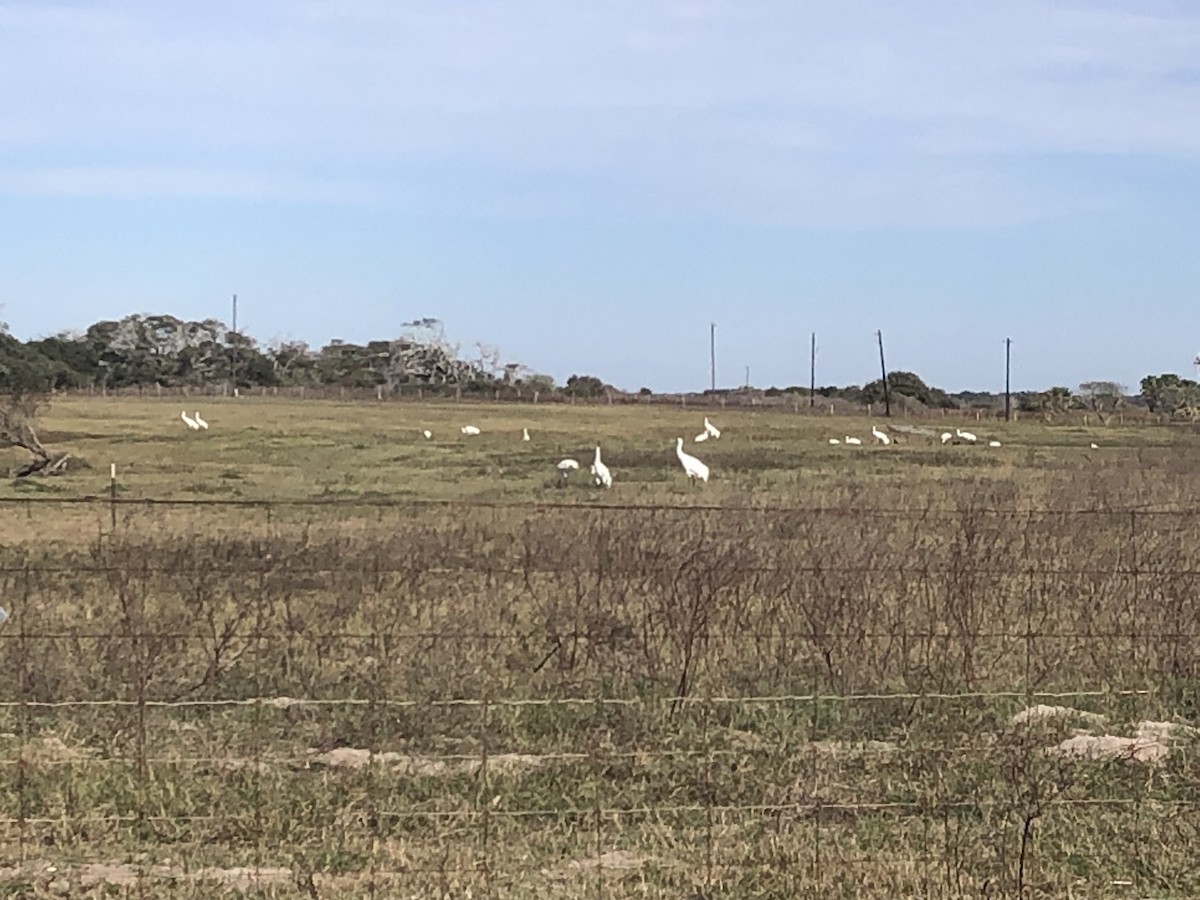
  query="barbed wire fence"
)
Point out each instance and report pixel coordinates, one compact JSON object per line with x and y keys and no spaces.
{"x":422,"y":699}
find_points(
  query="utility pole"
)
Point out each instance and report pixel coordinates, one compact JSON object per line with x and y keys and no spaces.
{"x":234,"y":362}
{"x":712,"y":355}
{"x":747,"y":376}
{"x":1007,"y":381}
{"x":812,"y":372}
{"x":887,"y":399}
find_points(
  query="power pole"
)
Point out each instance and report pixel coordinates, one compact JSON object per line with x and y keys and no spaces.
{"x":234,"y":362}
{"x":812,"y":372}
{"x":747,"y":376}
{"x":887,"y":399}
{"x":712,"y":355}
{"x":1007,"y":381}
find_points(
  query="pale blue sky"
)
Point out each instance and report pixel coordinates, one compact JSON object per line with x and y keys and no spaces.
{"x":587,"y":185}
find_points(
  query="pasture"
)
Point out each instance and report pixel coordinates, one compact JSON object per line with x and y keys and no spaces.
{"x":353,"y":662}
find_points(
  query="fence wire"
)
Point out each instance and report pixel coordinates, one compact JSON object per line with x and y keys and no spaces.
{"x":510,"y":699}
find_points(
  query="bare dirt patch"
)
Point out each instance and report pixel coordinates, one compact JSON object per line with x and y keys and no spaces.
{"x":424,"y":766}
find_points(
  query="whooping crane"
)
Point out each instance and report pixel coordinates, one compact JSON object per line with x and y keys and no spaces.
{"x":701,"y":437}
{"x":947,"y":437}
{"x":853,"y":440}
{"x":524,"y":434}
{"x":692,"y":466}
{"x":1095,"y":446}
{"x":711,"y":429}
{"x":427,"y":434}
{"x":880,"y":436}
{"x":965,"y":435}
{"x":566,"y":467}
{"x":993,"y":443}
{"x":189,"y":421}
{"x":469,"y":429}
{"x":834,"y":441}
{"x":201,"y":422}
{"x":600,"y":471}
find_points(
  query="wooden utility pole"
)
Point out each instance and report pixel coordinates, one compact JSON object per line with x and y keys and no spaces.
{"x":812,"y":372}
{"x":887,"y":399}
{"x":1007,"y":381}
{"x":233,"y":363}
{"x":712,"y":355}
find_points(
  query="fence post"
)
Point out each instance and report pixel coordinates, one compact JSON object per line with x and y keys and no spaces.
{"x":112,"y":494}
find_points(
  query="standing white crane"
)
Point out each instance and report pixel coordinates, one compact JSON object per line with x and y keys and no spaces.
{"x":692,"y":466}
{"x":880,"y":436}
{"x":189,"y":421}
{"x":600,"y":471}
{"x":965,"y":436}
{"x":524,"y":434}
{"x":711,"y":429}
{"x":201,"y":422}
{"x":566,"y":467}
{"x":469,"y":429}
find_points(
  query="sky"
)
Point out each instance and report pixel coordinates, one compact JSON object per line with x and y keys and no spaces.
{"x":587,"y":186}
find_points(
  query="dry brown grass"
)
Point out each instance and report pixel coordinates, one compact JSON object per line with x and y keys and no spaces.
{"x":696,"y":696}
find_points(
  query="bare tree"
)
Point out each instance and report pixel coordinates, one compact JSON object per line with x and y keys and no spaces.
{"x":18,"y":414}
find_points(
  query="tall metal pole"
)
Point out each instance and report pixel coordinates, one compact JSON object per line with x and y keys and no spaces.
{"x":887,"y":399}
{"x":747,"y":376}
{"x":1007,"y":381}
{"x":233,"y":364}
{"x":712,"y":355}
{"x":812,"y":372}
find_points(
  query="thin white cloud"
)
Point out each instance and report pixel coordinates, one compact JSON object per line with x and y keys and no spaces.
{"x":741,"y":109}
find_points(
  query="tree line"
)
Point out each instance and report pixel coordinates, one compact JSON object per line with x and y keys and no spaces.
{"x":163,"y":350}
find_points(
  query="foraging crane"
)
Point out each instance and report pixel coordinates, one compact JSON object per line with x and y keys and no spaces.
{"x":566,"y":467}
{"x":692,"y":466}
{"x":880,"y":436}
{"x":701,"y":437}
{"x":993,"y":443}
{"x":427,"y":434}
{"x":469,"y":429}
{"x":711,"y":429}
{"x":834,"y":441}
{"x":853,"y":440}
{"x":600,"y":471}
{"x":189,"y":421}
{"x":201,"y":422}
{"x":947,"y":437}
{"x":965,"y":436}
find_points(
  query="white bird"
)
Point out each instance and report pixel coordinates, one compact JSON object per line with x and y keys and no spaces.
{"x":201,"y":422}
{"x":853,"y":440}
{"x":600,"y":471}
{"x":189,"y":421}
{"x":947,"y":437}
{"x":993,"y":443}
{"x":469,"y":429}
{"x":834,"y":441}
{"x":701,"y":437}
{"x":692,"y":466}
{"x":524,"y":434}
{"x":427,"y":434}
{"x":566,"y":467}
{"x":1095,"y":446}
{"x":880,"y":436}
{"x":711,"y":429}
{"x":965,"y":435}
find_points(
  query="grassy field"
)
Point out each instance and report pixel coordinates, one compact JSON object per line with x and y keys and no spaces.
{"x":811,"y":676}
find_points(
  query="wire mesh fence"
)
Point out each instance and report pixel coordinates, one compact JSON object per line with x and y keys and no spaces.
{"x":509,"y":699}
